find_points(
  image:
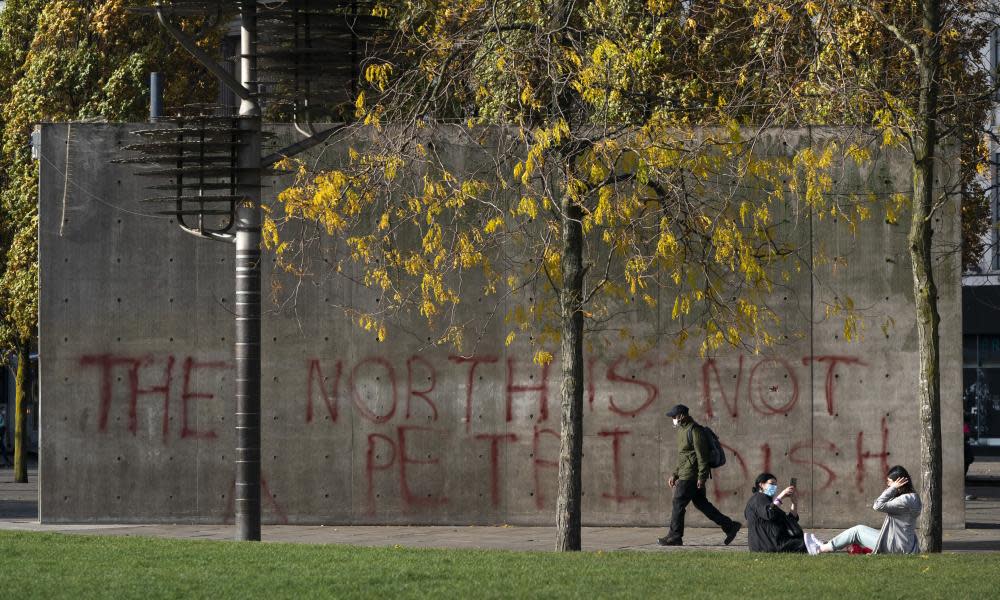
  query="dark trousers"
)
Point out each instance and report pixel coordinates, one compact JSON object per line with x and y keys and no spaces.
{"x":3,"y":445}
{"x":793,"y":545}
{"x":687,"y":491}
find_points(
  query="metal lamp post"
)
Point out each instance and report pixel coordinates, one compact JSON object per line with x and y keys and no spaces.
{"x":214,"y":164}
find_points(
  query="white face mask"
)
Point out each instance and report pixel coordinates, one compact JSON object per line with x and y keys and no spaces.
{"x":677,"y":422}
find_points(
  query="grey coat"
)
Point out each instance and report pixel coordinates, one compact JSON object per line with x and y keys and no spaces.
{"x":899,"y":531}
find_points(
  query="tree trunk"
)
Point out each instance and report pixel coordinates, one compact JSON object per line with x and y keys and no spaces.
{"x":924,"y":288}
{"x":21,"y":383}
{"x":568,"y":502}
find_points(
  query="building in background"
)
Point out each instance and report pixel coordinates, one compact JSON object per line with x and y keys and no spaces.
{"x":981,"y":308}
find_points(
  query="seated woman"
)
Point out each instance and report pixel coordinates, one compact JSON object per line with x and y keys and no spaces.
{"x":898,"y":535}
{"x":769,"y":528}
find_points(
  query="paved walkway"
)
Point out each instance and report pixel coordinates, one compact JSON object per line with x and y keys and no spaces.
{"x":19,"y":511}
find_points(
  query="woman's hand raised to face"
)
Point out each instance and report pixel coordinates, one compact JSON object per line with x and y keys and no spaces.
{"x":898,"y":483}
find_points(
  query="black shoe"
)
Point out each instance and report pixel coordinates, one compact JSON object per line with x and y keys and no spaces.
{"x":731,"y":533}
{"x":666,"y":541}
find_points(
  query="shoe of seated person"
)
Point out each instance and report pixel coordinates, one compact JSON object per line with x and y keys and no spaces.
{"x":666,"y":541}
{"x":812,"y":543}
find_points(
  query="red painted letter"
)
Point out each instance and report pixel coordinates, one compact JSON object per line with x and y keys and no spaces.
{"x":538,"y":463}
{"x":371,"y":465}
{"x":758,"y":398}
{"x":651,"y":390}
{"x":832,"y":362}
{"x":422,"y":394}
{"x":864,"y":455}
{"x":795,"y":457}
{"x":331,"y":398}
{"x":409,"y":498}
{"x":187,"y":395}
{"x":356,"y":397}
{"x":475,"y":361}
{"x":108,"y":362}
{"x":542,"y":388}
{"x":495,"y":439}
{"x":708,"y":369}
{"x":618,"y":495}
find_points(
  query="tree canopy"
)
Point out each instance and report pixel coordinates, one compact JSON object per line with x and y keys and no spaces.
{"x":64,"y":60}
{"x":614,"y":144}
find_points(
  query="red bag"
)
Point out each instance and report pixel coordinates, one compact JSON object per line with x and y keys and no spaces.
{"x":858,"y":549}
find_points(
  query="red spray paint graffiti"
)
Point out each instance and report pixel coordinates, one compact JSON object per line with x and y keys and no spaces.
{"x":866,"y":455}
{"x":538,"y":462}
{"x":618,"y":495}
{"x":473,"y":362}
{"x":399,"y":457}
{"x":359,"y":402}
{"x":187,"y":395}
{"x":542,"y":388}
{"x":629,"y":389}
{"x":495,"y":440}
{"x":412,"y":392}
{"x":650,"y":389}
{"x":831,"y":368}
{"x":331,"y":396}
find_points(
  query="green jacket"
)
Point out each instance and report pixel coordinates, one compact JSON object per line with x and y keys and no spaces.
{"x":692,"y":458}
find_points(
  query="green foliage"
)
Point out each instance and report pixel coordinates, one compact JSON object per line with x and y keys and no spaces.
{"x":865,"y":73}
{"x":66,"y":60}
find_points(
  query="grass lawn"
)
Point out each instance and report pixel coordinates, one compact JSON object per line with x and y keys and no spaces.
{"x":34,"y":565}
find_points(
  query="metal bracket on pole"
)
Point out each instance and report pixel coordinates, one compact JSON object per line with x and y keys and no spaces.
{"x":206,"y":61}
{"x":301,"y":146}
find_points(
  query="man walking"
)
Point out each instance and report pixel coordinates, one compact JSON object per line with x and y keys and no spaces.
{"x":689,"y":479}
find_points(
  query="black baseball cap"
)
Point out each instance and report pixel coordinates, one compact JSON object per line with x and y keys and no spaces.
{"x":679,"y":409}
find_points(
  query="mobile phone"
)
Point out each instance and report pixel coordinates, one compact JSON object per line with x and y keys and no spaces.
{"x":794,"y":481}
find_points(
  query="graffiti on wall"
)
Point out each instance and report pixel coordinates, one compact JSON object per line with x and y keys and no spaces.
{"x":439,"y":400}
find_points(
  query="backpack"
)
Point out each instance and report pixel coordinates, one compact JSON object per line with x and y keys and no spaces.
{"x":716,"y":454}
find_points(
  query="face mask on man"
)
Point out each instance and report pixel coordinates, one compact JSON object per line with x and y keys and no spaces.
{"x":677,"y":422}
{"x":771,"y":489}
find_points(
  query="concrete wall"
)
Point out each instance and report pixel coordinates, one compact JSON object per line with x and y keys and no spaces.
{"x":136,"y":383}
